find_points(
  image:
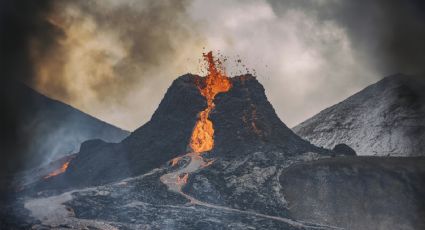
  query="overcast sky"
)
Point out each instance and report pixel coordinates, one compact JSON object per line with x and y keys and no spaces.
{"x":115,"y":59}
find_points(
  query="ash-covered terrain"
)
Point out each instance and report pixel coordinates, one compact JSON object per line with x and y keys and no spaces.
{"x":258,"y":174}
{"x":384,"y":119}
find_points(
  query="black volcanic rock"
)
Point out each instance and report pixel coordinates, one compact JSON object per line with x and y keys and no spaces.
{"x":245,"y":121}
{"x":385,"y":118}
{"x":164,"y":137}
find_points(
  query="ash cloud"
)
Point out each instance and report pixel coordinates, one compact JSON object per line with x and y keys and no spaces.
{"x":116,"y":58}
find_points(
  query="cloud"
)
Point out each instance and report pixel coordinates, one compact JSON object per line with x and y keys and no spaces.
{"x":304,"y":62}
{"x":389,"y":34}
{"x":312,"y":54}
{"x":115,"y":59}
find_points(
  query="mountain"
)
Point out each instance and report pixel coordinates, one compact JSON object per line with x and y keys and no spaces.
{"x":385,"y":118}
{"x":37,"y":130}
{"x":244,"y":122}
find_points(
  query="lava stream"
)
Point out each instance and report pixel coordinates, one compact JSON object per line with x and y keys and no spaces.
{"x":215,"y":82}
{"x":58,"y":171}
{"x":202,"y":138}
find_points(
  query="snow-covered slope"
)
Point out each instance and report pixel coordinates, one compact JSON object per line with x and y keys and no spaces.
{"x":386,"y":118}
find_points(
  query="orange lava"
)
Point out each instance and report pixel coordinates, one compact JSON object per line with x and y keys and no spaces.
{"x":175,"y":161}
{"x":202,"y":139}
{"x":207,"y":163}
{"x":215,"y":82}
{"x":58,"y":171}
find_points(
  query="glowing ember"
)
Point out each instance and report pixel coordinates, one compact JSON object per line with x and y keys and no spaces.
{"x":207,"y":163}
{"x":215,"y":82}
{"x":58,"y":171}
{"x":175,"y":161}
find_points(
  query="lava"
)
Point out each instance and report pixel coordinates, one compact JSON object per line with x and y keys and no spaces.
{"x":202,"y":139}
{"x":215,"y":82}
{"x":58,"y":171}
{"x":175,"y":161}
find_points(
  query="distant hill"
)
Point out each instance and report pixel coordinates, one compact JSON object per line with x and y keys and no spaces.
{"x":385,"y":118}
{"x":36,"y":129}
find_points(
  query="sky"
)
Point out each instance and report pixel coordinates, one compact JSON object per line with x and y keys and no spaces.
{"x":115,"y":59}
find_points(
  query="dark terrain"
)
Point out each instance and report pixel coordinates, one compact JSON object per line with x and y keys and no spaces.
{"x":263,"y":176}
{"x":358,"y":192}
{"x":37,"y":130}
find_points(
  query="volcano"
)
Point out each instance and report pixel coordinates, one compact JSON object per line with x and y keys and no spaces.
{"x":215,"y":155}
{"x":204,"y":130}
{"x":244,"y":122}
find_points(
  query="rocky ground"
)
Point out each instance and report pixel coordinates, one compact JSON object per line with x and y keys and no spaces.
{"x":144,"y":202}
{"x":358,"y":192}
{"x":259,"y":175}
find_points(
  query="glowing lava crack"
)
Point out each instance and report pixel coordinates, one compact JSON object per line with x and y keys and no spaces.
{"x":58,"y":171}
{"x":202,"y":139}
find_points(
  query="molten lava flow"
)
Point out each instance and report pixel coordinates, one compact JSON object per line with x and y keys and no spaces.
{"x":58,"y":171}
{"x":215,"y":82}
{"x":175,"y":161}
{"x":202,"y":138}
